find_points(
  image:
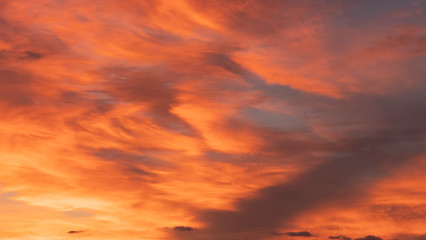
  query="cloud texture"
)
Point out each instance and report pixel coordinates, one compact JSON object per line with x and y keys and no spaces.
{"x":208,"y":120}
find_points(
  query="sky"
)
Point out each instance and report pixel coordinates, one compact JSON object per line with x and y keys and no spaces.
{"x":212,"y":120}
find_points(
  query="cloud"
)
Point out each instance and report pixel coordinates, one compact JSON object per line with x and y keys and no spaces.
{"x":335,"y":180}
{"x":299,"y":234}
{"x":33,"y":55}
{"x":239,"y":118}
{"x":399,"y":212}
{"x":340,"y":237}
{"x":183,"y":229}
{"x":17,"y":88}
{"x":369,"y":237}
{"x":262,"y":18}
{"x":75,"y":232}
{"x":293,"y":234}
{"x":152,"y":87}
{"x":410,"y":236}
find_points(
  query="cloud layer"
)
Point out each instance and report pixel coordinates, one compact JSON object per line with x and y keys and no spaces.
{"x":211,"y":120}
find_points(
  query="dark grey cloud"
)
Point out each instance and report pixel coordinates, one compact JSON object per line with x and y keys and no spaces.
{"x":374,"y":134}
{"x":183,"y":229}
{"x":33,"y":55}
{"x":330,"y":182}
{"x":377,"y":133}
{"x":12,"y":55}
{"x":293,"y":234}
{"x":75,"y":232}
{"x":299,"y":234}
{"x":340,"y":237}
{"x":369,"y":237}
{"x":359,"y":162}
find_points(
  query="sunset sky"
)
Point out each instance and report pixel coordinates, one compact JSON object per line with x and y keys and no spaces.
{"x":212,"y":120}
